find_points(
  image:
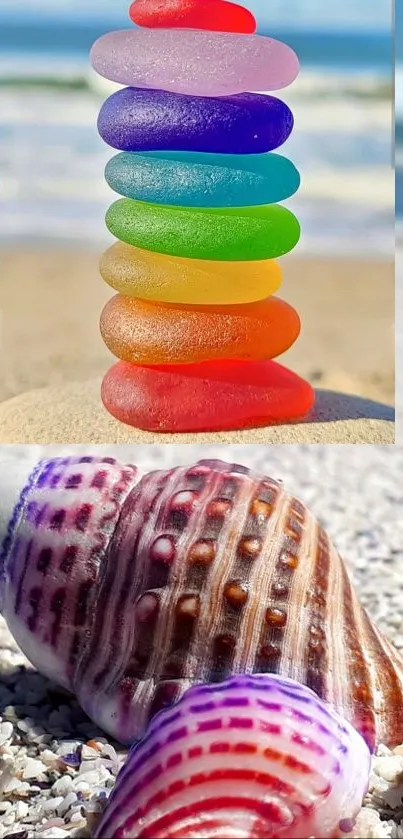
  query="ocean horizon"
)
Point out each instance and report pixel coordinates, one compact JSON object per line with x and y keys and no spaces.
{"x":326,"y":47}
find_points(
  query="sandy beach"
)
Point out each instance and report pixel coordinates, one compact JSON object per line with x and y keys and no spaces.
{"x":50,"y":303}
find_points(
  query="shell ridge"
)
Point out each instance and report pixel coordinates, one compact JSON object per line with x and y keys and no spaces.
{"x":130,"y":522}
{"x":109,"y":525}
{"x":120,"y":683}
{"x":215,"y":522}
{"x":116,"y":503}
{"x":394,"y":654}
{"x":172,"y":591}
{"x":315,"y":657}
{"x":14,"y":523}
{"x":146,"y":693}
{"x":337,"y":687}
{"x":361,"y":699}
{"x":384,"y":660}
{"x":211,"y":618}
{"x":102,"y":659}
{"x":262,"y":575}
{"x":294,"y":570}
{"x":121,"y":488}
{"x":149,"y":530}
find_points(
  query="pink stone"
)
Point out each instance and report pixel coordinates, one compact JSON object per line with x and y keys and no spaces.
{"x":194,"y":62}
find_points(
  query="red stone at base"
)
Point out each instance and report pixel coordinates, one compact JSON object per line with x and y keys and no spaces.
{"x":208,"y":396}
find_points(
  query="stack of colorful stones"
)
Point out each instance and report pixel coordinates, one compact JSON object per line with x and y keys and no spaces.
{"x":199,"y":228}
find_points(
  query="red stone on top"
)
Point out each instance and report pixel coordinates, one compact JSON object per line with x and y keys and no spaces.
{"x":217,"y":15}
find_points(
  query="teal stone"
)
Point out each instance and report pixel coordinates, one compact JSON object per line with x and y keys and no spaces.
{"x":197,"y":179}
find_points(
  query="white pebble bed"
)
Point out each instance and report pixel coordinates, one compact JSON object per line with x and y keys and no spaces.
{"x":57,"y":768}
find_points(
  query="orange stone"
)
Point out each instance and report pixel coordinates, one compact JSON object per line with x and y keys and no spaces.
{"x":149,"y":332}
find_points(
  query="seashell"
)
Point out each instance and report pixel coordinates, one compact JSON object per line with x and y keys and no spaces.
{"x":129,"y":591}
{"x":256,"y":756}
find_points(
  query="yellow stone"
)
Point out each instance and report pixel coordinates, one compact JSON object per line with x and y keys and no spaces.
{"x":135,"y":272}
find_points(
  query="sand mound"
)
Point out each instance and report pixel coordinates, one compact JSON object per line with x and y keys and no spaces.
{"x":73,"y":413}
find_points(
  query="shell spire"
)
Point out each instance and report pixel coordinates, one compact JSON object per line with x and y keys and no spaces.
{"x":130,"y":591}
{"x":252,"y":758}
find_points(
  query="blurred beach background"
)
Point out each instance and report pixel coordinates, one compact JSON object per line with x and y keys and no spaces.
{"x":53,"y":195}
{"x":399,"y":214}
{"x":399,"y":119}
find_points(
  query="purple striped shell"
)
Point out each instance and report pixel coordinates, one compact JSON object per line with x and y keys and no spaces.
{"x":255,"y":756}
{"x":130,"y":591}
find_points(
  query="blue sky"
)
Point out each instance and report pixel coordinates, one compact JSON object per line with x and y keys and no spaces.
{"x":368,"y":14}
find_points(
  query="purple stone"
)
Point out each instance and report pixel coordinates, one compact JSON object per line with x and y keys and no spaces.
{"x":72,"y":759}
{"x":135,"y":119}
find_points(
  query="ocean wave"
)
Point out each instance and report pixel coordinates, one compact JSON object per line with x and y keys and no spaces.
{"x":399,"y":91}
{"x":339,"y":84}
{"x":67,"y":73}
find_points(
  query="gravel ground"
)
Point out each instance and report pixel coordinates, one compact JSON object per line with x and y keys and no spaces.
{"x":399,"y":340}
{"x":57,"y":768}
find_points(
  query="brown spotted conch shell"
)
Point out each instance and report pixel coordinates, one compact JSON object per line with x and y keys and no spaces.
{"x":130,"y":591}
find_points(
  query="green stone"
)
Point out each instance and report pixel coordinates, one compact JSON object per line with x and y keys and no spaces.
{"x":230,"y":233}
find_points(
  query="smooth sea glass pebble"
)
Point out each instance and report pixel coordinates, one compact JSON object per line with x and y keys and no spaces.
{"x":218,"y":15}
{"x":229,"y":233}
{"x":171,"y":279}
{"x":194,"y":62}
{"x":212,"y":396}
{"x":146,"y":332}
{"x":134,"y":119}
{"x":192,"y":179}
